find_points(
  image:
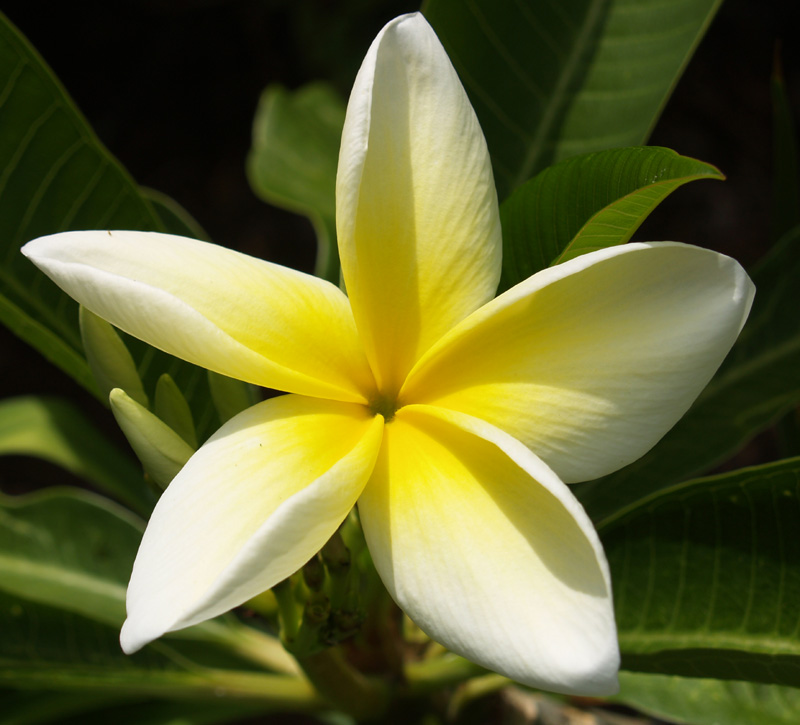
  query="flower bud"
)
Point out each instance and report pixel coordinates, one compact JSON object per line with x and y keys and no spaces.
{"x":108,"y":357}
{"x":173,"y":408}
{"x":160,"y":449}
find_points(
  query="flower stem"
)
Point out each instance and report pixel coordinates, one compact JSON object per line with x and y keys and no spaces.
{"x":262,"y":649}
{"x":474,"y":689}
{"x":345,"y":687}
{"x":275,"y":692}
{"x":287,"y":609}
{"x":431,"y":675}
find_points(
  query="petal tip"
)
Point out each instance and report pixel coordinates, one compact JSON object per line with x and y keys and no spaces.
{"x":131,"y":639}
{"x":35,"y":249}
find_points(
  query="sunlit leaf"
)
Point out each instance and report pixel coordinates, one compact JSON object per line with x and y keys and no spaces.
{"x":73,"y":551}
{"x":550,"y":80}
{"x":58,"y":432}
{"x":47,"y":648}
{"x":587,"y":203}
{"x":55,"y":175}
{"x":698,"y":701}
{"x":293,"y":159}
{"x":707,"y":574}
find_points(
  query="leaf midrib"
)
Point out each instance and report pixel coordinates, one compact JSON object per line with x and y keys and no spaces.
{"x":59,"y":576}
{"x":651,"y":642}
{"x":568,"y":73}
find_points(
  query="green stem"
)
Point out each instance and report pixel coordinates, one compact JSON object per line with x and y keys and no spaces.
{"x":287,"y":609}
{"x":431,"y":675}
{"x":262,"y":649}
{"x":278,"y":691}
{"x":315,"y":616}
{"x":345,"y":687}
{"x":264,"y":604}
{"x":252,"y":644}
{"x":473,"y":690}
{"x":337,"y":561}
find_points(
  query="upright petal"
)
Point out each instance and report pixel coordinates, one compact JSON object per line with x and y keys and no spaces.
{"x":256,"y":502}
{"x":416,"y":207}
{"x":488,"y":552}
{"x":589,"y":363}
{"x":219,"y":309}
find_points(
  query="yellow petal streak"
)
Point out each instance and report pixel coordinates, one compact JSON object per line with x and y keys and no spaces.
{"x":222,"y":310}
{"x":489,"y":553}
{"x":416,"y":209}
{"x":590,"y":362}
{"x":257,"y":501}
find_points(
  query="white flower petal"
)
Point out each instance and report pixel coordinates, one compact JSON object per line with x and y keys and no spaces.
{"x":489,"y":553}
{"x":416,"y":207}
{"x":589,"y":363}
{"x":256,"y":502}
{"x":225,"y":311}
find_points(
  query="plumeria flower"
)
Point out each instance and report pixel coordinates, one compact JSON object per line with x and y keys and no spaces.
{"x":449,"y":417}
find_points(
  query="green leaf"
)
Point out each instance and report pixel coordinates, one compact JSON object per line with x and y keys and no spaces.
{"x":757,"y":384}
{"x":55,"y":176}
{"x":230,"y":396}
{"x":697,"y":701}
{"x":293,"y":160}
{"x":587,"y":203}
{"x":69,"y":548}
{"x":109,"y":358}
{"x":46,"y":648}
{"x":72,"y":551}
{"x":58,"y":432}
{"x":173,"y":713}
{"x":550,"y":80}
{"x":706,"y":576}
{"x":38,"y":708}
{"x":171,"y":406}
{"x":161,"y":450}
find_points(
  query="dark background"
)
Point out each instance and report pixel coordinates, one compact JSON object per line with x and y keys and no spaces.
{"x":171,"y":88}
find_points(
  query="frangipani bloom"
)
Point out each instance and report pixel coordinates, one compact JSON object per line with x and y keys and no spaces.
{"x":450,"y":418}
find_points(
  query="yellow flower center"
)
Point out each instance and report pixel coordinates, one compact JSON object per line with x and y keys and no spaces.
{"x":385,"y":405}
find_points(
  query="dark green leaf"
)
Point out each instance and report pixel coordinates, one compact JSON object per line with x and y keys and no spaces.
{"x":57,"y":432}
{"x":707,"y":577}
{"x":109,"y":358}
{"x":756,"y":385}
{"x":47,"y":648}
{"x":68,"y":547}
{"x":55,"y":175}
{"x":550,"y":80}
{"x":74,"y":550}
{"x":39,"y":708}
{"x":293,"y":160}
{"x":587,"y":203}
{"x":697,"y":701}
{"x":173,"y":713}
{"x":230,"y":396}
{"x":171,"y":406}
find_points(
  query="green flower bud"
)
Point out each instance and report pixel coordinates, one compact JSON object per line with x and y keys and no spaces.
{"x":108,"y":357}
{"x":172,"y":407}
{"x":230,"y":396}
{"x":160,"y":449}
